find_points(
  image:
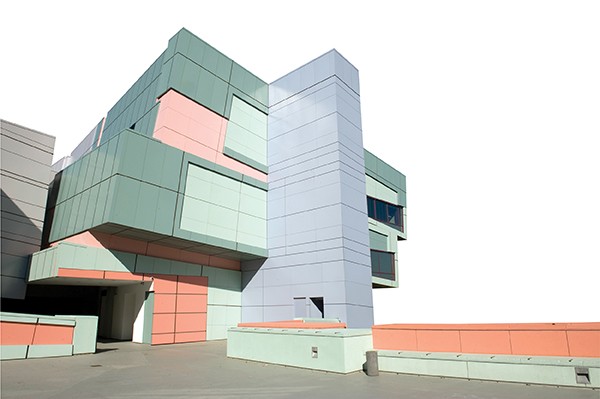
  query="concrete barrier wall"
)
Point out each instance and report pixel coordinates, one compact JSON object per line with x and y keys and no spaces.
{"x":31,"y":336}
{"x":541,"y":339}
{"x":337,"y":350}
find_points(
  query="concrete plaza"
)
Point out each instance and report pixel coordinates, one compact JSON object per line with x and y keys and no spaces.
{"x":202,"y":370}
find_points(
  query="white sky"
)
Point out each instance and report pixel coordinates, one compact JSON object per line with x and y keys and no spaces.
{"x":491,"y":109}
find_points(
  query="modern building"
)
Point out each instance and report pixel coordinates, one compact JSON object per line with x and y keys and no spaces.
{"x":207,"y":197}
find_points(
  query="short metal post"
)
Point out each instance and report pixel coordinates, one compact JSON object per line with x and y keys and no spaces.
{"x":372,"y":364}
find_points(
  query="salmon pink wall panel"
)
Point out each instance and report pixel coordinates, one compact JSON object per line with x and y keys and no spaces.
{"x":190,"y":322}
{"x":528,"y":339}
{"x":16,"y":333}
{"x":164,"y":303}
{"x":190,"y":127}
{"x":495,"y":342}
{"x":198,"y":336}
{"x":395,"y":339}
{"x":79,"y":273}
{"x":438,"y":341}
{"x":165,"y":284}
{"x":46,"y":334}
{"x":539,"y":343}
{"x":163,"y":323}
{"x":584,"y":343}
{"x":191,"y":304}
{"x":192,"y":285}
{"x":162,"y":339}
{"x":122,"y":276}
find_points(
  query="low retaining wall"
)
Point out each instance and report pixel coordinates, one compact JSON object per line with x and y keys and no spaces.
{"x":24,"y":336}
{"x":560,"y":371}
{"x":542,"y":339}
{"x":566,"y":354}
{"x":337,"y":350}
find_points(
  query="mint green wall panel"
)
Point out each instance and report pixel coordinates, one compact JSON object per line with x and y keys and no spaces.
{"x":223,"y":209}
{"x":73,"y":205}
{"x":384,"y":173}
{"x":135,"y":103}
{"x":194,"y":216}
{"x":131,"y":153}
{"x":91,"y":169}
{"x":222,"y":222}
{"x":380,"y":191}
{"x":148,"y":312}
{"x":197,"y":83}
{"x":165,"y":209}
{"x":102,"y":202}
{"x":111,"y":155}
{"x":11,"y":352}
{"x":253,"y":201}
{"x":247,"y":132}
{"x":235,"y":92}
{"x":249,"y":84}
{"x":146,"y":207}
{"x":125,"y":197}
{"x":252,"y":231}
{"x":81,"y":214}
{"x":202,"y":54}
{"x":91,"y":208}
{"x":37,"y":351}
{"x":378,"y":241}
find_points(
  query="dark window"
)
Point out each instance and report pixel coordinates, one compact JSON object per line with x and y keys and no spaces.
{"x":385,"y":212}
{"x":382,"y":264}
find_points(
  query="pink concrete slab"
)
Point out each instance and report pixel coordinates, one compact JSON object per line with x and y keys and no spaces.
{"x":165,"y":284}
{"x":164,"y":303}
{"x":395,"y":339}
{"x":438,"y":341}
{"x":584,"y":343}
{"x":163,"y":323}
{"x":163,"y":339}
{"x":122,"y":276}
{"x":80,"y":273}
{"x":529,"y":339}
{"x":190,"y":322}
{"x":187,"y":125}
{"x":16,"y":333}
{"x":47,"y":334}
{"x":539,"y":343}
{"x":224,"y":263}
{"x":190,"y":303}
{"x":197,"y":336}
{"x":495,"y":342}
{"x":192,"y":285}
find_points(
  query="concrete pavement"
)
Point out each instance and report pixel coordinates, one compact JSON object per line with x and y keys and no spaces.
{"x":127,"y":370}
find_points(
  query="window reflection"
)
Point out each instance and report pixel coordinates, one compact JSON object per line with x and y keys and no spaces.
{"x":385,"y":212}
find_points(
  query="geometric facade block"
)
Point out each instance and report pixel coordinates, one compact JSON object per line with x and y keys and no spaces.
{"x":204,"y":176}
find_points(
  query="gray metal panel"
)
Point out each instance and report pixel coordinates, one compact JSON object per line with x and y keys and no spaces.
{"x":25,"y":173}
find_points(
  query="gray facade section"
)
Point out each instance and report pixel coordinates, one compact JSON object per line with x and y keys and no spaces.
{"x":317,"y":225}
{"x":25,"y":174}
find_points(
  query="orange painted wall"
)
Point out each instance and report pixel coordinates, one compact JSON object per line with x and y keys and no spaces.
{"x":12,"y":333}
{"x":540,"y":339}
